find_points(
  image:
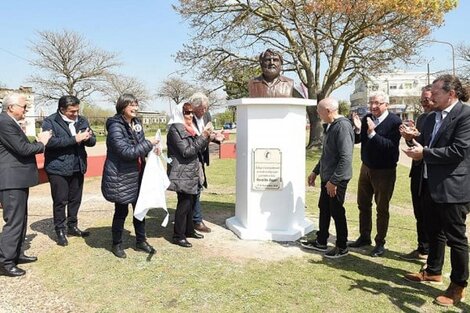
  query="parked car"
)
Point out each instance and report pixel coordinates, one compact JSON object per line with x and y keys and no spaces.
{"x":230,"y":125}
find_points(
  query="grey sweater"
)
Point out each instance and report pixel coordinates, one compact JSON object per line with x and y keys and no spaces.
{"x":335,"y":163}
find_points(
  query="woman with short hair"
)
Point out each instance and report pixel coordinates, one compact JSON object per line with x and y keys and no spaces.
{"x":122,"y":175}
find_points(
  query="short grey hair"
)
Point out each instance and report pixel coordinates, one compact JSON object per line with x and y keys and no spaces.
{"x":11,"y":99}
{"x":197,"y":99}
{"x":380,"y":94}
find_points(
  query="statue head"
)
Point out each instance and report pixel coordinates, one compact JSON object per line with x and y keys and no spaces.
{"x":271,"y":64}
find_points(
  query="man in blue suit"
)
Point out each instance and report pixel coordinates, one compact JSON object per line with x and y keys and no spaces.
{"x":18,"y":172}
{"x":444,"y":147}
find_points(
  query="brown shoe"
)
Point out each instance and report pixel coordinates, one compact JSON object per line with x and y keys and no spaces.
{"x":424,"y":277}
{"x":202,"y":227}
{"x":453,"y":295}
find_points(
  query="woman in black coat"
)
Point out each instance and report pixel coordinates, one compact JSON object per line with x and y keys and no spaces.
{"x":185,"y":172}
{"x":123,"y":168}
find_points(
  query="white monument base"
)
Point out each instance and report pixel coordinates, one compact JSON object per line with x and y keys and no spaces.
{"x":270,"y":190}
{"x":276,"y":235}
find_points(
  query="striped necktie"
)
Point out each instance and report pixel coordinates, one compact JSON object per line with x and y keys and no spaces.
{"x":437,"y":125}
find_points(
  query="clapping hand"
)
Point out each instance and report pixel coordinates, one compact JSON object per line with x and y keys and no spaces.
{"x":408,"y":132}
{"x":44,"y":137}
{"x":83,"y":135}
{"x":356,"y":120}
{"x":415,"y":152}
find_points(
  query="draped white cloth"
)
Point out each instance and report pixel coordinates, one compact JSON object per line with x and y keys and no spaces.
{"x":154,"y":184}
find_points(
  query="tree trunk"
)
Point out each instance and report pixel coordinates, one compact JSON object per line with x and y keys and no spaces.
{"x":316,"y":129}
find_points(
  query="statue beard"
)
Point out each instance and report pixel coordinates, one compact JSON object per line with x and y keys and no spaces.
{"x":270,"y":74}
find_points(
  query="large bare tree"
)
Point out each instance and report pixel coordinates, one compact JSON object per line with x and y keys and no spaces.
{"x":117,"y":85}
{"x":463,"y":51}
{"x":175,"y":89}
{"x":68,"y":65}
{"x":326,"y":43}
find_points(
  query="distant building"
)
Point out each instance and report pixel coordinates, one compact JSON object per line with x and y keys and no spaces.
{"x":28,"y":124}
{"x":403,"y":88}
{"x":152,"y":117}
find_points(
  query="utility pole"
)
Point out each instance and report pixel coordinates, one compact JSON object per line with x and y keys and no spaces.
{"x":453,"y":53}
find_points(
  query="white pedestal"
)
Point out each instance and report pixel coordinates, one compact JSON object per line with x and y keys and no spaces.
{"x":276,"y":125}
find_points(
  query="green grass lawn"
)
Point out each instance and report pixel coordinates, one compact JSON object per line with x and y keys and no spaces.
{"x":203,"y":279}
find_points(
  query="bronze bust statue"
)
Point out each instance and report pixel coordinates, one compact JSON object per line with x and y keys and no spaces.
{"x":271,"y":83}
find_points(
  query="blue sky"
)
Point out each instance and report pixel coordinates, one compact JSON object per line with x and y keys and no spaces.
{"x":147,"y":34}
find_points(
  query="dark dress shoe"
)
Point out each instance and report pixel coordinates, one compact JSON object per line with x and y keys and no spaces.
{"x":182,"y":243}
{"x":75,"y":231}
{"x":144,"y":246}
{"x":195,"y":235}
{"x":62,"y":238}
{"x":118,"y":251}
{"x":22,"y":259}
{"x":202,"y":227}
{"x":379,"y":250}
{"x":12,"y":271}
{"x":360,"y":242}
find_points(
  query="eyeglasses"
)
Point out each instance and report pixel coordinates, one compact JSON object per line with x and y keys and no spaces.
{"x":24,"y":107}
{"x":425,"y":100}
{"x":376,"y":103}
{"x":188,"y":112}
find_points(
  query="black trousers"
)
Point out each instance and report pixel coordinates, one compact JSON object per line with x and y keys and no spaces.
{"x":333,"y":207}
{"x":446,"y":224}
{"x":419,"y":211}
{"x":120,"y":213}
{"x":66,"y":192}
{"x":184,"y":225}
{"x":15,"y":216}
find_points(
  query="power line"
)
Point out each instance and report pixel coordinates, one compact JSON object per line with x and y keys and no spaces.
{"x":14,"y":54}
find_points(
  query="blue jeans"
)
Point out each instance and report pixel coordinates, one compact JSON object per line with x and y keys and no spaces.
{"x":197,"y":210}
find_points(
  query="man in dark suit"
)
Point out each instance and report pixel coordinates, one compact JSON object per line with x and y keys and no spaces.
{"x":200,"y":105}
{"x":444,"y":147}
{"x":409,"y":132}
{"x":379,"y":136}
{"x":18,"y":172}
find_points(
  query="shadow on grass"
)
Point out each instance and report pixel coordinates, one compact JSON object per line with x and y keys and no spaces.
{"x":45,"y":226}
{"x":382,"y":279}
{"x":217,"y":212}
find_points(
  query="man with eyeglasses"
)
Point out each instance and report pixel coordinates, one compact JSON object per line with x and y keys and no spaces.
{"x":409,"y":132}
{"x":18,"y":172}
{"x":379,"y":135}
{"x":201,"y":118}
{"x":444,"y":148}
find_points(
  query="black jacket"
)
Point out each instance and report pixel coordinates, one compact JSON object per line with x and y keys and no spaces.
{"x":382,"y":150}
{"x":18,"y":168}
{"x":126,"y":152}
{"x":63,"y":155}
{"x":185,"y":152}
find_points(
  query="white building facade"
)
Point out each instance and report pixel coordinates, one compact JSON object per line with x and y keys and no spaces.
{"x":403,"y":88}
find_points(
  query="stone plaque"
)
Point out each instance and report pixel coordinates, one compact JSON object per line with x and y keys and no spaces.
{"x":267,"y":169}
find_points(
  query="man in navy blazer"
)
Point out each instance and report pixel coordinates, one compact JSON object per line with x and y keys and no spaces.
{"x":18,"y":172}
{"x":66,"y":164}
{"x":444,"y":147}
